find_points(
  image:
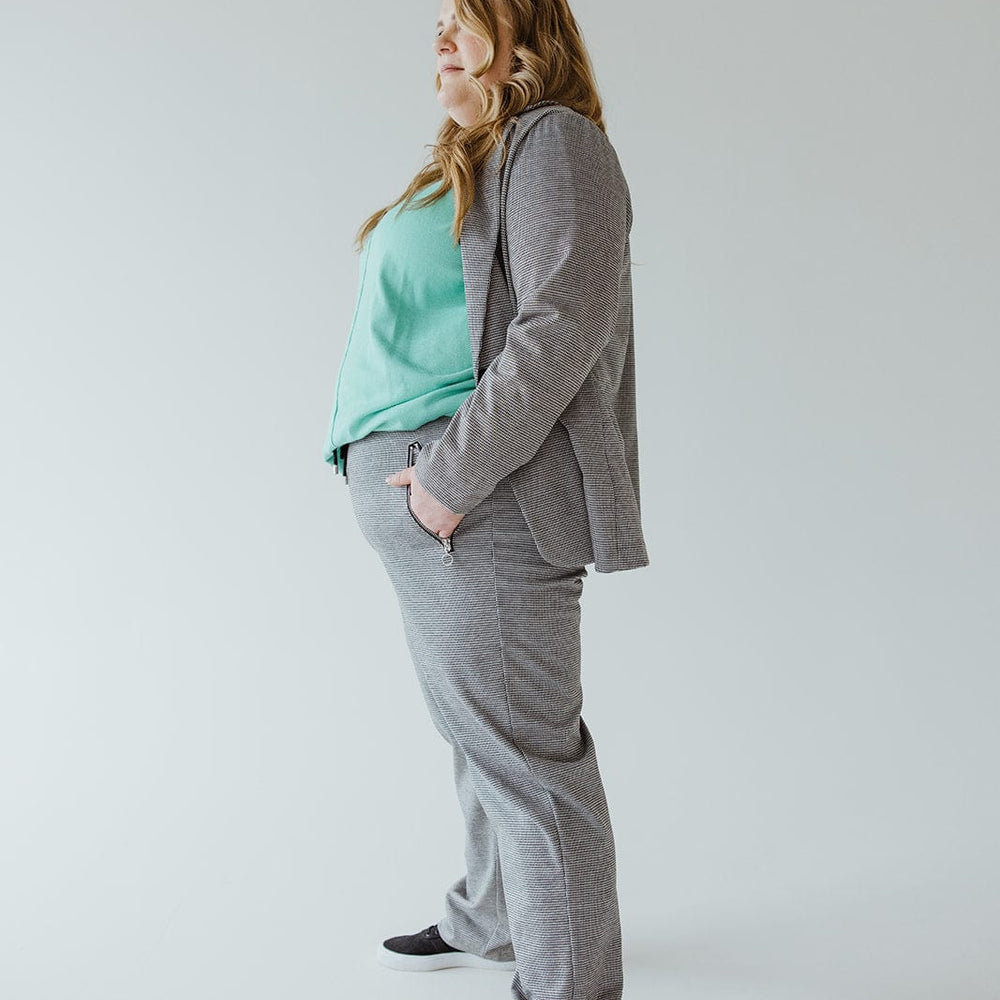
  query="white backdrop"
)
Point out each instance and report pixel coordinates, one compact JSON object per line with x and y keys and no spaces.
{"x":218,"y":776}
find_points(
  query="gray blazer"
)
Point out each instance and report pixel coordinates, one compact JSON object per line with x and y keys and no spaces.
{"x":546,"y":265}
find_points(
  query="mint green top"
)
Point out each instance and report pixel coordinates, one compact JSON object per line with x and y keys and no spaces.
{"x":408,"y":359}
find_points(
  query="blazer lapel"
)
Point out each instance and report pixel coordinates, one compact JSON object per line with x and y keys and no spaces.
{"x":478,"y":243}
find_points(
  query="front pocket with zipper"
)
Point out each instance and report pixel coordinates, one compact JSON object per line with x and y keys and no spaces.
{"x":412,"y":450}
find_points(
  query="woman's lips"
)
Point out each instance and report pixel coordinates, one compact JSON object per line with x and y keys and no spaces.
{"x":450,"y":69}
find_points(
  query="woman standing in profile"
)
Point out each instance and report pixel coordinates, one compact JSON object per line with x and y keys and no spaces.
{"x":494,"y":379}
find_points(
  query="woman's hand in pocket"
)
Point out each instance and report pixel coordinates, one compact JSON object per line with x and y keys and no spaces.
{"x":427,"y":509}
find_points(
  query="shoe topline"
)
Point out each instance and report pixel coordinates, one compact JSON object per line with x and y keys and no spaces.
{"x":427,"y":951}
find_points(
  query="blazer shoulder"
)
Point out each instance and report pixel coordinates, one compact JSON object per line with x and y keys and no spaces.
{"x":559,"y":134}
{"x":560,"y":121}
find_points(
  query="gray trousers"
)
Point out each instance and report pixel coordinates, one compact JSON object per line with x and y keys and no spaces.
{"x":494,"y":634}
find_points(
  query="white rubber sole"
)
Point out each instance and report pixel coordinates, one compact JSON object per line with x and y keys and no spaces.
{"x":431,"y":963}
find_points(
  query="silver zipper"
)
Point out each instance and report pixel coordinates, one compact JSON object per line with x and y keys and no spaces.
{"x":447,"y":558}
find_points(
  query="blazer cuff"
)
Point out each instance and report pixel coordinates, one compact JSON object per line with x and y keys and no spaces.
{"x":430,"y":468}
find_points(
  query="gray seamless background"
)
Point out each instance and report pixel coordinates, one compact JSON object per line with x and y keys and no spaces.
{"x":218,"y":777}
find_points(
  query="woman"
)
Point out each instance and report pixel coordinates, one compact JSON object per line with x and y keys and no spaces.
{"x":493,"y":378}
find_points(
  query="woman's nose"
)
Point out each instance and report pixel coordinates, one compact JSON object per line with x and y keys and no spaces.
{"x":443,"y":42}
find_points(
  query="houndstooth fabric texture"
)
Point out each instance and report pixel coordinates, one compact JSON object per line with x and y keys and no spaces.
{"x":547,"y":268}
{"x":494,"y":634}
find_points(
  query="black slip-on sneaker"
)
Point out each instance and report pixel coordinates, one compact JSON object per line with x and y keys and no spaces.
{"x":427,"y":951}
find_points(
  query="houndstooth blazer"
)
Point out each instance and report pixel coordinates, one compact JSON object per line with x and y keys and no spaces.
{"x":546,"y":265}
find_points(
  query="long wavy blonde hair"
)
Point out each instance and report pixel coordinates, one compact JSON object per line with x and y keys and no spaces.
{"x":549,"y":62}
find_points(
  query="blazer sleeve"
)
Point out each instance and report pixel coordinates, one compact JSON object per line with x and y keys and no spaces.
{"x":568,"y":215}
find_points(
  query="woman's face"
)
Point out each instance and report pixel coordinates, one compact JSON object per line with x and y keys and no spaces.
{"x":454,"y":46}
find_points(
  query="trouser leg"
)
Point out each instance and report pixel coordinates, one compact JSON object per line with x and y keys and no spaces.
{"x":475,"y":912}
{"x":495,"y":640}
